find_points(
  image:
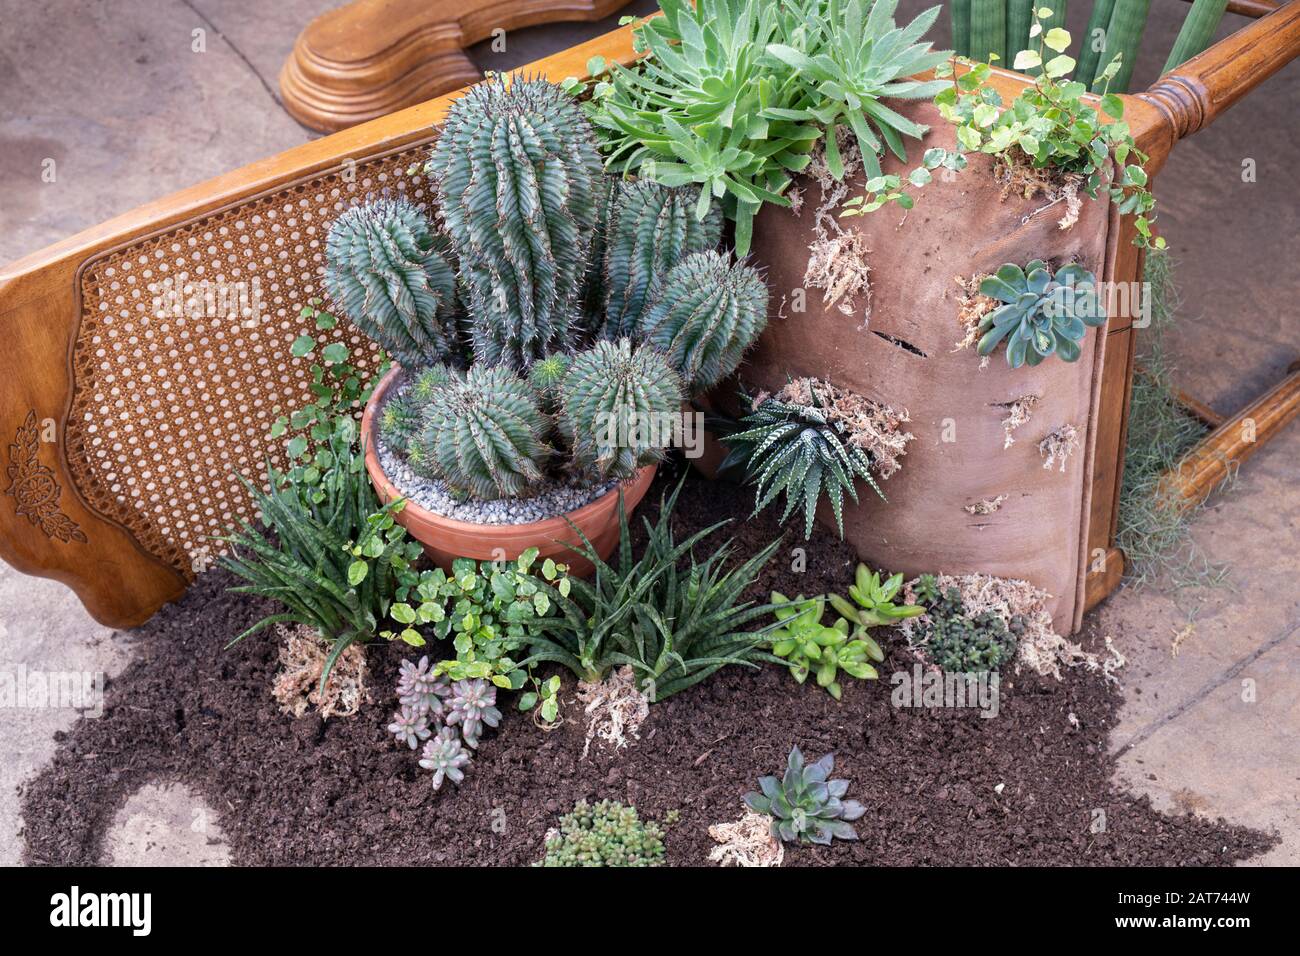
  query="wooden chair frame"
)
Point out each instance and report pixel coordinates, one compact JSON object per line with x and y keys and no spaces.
{"x":62,"y":516}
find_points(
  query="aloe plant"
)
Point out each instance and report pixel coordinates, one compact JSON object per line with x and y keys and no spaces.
{"x":331,"y":555}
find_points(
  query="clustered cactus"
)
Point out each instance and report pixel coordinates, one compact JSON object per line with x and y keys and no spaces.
{"x":961,"y":642}
{"x":703,"y":316}
{"x":484,"y":433}
{"x":614,"y":400}
{"x":805,"y":804}
{"x":606,"y":834}
{"x":386,"y":273}
{"x":550,"y":309}
{"x":453,"y":714}
{"x":651,"y":229}
{"x":516,"y":172}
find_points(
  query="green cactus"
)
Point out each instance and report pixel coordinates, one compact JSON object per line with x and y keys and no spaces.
{"x":483,"y":434}
{"x":593,"y":296}
{"x":545,"y":377}
{"x":615,"y":404}
{"x":703,"y":315}
{"x":518,"y":181}
{"x":401,"y":415}
{"x":651,"y":228}
{"x":384,"y":271}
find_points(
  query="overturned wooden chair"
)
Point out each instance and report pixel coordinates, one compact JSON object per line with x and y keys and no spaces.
{"x":146,"y":358}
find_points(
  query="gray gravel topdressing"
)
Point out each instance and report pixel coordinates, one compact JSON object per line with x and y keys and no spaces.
{"x":553,"y":498}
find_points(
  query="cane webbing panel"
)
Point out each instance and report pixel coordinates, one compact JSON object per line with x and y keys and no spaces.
{"x":181,"y":362}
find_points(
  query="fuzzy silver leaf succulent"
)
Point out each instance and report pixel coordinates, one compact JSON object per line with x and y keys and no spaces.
{"x":445,"y":755}
{"x":410,"y":726}
{"x":471,"y":707}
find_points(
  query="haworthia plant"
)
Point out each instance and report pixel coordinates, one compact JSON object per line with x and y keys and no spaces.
{"x":651,"y":228}
{"x":517,"y":177}
{"x":384,"y":272}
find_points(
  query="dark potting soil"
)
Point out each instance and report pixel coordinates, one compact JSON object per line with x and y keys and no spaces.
{"x":342,"y":792}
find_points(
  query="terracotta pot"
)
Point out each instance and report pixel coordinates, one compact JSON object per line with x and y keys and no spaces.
{"x":712,"y":451}
{"x":903,"y":354}
{"x":445,"y":539}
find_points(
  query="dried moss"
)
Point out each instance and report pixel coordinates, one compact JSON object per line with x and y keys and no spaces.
{"x":1059,"y":445}
{"x":1020,"y":177}
{"x":837,"y":259}
{"x":1153,"y":526}
{"x":1039,"y":647}
{"x":746,"y":842}
{"x":302,"y":661}
{"x":874,"y":427}
{"x":1018,"y":412}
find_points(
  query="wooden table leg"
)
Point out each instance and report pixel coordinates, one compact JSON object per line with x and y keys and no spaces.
{"x":374,"y":57}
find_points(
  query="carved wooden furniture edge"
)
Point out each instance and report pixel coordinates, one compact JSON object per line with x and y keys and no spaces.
{"x":373,"y":57}
{"x":1195,"y":93}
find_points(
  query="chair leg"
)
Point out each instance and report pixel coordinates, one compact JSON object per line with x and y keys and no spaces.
{"x":373,"y":57}
{"x":1223,"y":450}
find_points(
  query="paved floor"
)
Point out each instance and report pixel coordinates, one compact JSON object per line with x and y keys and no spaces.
{"x":117,"y":95}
